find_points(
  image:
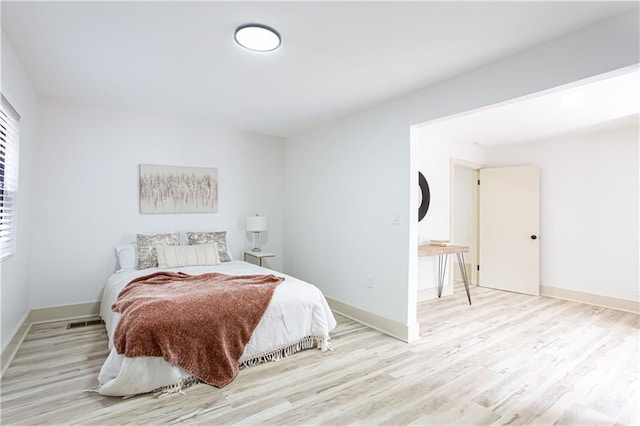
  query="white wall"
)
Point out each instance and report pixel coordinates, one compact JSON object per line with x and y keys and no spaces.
{"x":346,"y":179}
{"x":588,"y":209}
{"x":432,"y":156}
{"x":86,"y":199}
{"x":14,"y":288}
{"x":343,"y":186}
{"x":344,"y":182}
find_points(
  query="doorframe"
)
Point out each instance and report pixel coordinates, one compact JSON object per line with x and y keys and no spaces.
{"x":475,"y":167}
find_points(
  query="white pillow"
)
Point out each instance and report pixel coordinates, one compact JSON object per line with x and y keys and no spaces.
{"x":217,"y":237}
{"x":192,"y":255}
{"x":126,"y":256}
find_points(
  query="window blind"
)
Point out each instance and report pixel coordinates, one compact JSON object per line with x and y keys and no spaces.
{"x":9,"y":134}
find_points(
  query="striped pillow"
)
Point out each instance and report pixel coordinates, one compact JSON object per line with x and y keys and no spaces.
{"x":219,"y":238}
{"x":192,"y":255}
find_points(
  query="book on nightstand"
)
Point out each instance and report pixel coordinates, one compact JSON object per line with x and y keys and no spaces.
{"x":440,"y":243}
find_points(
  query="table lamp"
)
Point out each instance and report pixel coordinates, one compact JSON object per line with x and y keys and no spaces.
{"x":256,"y":224}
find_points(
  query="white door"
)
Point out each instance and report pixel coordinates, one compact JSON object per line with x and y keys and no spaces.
{"x":509,"y":224}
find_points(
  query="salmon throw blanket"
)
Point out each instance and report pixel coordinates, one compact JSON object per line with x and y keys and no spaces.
{"x":200,"y":323}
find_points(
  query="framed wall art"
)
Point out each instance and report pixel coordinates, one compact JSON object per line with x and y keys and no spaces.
{"x":174,"y":189}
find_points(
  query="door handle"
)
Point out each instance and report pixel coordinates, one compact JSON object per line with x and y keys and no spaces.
{"x":534,"y":237}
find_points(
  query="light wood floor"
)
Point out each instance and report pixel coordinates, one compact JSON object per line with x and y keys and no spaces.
{"x":508,"y":359}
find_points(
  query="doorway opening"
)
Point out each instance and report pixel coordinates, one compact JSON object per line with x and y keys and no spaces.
{"x":506,"y":136}
{"x":464,"y":215}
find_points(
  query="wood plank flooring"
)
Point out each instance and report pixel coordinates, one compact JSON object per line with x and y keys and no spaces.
{"x":509,"y":359}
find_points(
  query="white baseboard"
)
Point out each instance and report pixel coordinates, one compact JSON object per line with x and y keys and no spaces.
{"x":591,"y":299}
{"x":41,"y":315}
{"x":65,"y":312}
{"x":432,"y":293}
{"x":385,"y":325}
{"x":12,"y":347}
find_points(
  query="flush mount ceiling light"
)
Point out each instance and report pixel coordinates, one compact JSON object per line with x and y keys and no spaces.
{"x":260,"y":38}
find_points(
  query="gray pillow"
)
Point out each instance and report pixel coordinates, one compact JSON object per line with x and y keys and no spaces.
{"x":147,"y":256}
{"x":219,"y":238}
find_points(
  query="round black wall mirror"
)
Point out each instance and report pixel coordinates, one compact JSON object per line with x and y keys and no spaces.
{"x":426,"y":196}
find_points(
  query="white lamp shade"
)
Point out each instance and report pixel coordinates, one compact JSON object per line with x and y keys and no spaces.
{"x":256,"y":224}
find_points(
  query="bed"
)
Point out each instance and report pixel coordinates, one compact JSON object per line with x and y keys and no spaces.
{"x":297,"y":318}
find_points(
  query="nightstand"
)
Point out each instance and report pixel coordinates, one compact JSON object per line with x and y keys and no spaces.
{"x":258,"y":255}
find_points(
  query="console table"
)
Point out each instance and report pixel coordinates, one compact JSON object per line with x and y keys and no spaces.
{"x":443,"y":253}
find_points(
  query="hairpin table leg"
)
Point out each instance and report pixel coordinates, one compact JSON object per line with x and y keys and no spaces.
{"x":463,"y":272}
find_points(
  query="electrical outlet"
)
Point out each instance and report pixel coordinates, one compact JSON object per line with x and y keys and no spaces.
{"x":395,"y":220}
{"x":370,"y":282}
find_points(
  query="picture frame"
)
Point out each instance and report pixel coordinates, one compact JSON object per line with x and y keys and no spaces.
{"x":177,"y":189}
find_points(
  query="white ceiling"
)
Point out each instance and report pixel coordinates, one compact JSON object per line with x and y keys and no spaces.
{"x":612,"y":102}
{"x":178,"y":59}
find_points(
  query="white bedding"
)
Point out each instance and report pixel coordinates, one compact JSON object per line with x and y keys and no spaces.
{"x":297,"y":310}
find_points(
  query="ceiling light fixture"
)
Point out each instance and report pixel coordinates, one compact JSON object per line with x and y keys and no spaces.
{"x":257,"y":37}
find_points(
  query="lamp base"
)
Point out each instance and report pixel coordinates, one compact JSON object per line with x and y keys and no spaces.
{"x":256,"y":242}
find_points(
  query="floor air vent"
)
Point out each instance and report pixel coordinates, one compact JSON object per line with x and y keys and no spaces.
{"x":84,"y":323}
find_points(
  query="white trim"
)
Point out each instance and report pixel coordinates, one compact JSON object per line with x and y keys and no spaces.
{"x":453,"y":163}
{"x":44,"y":315}
{"x":394,"y":329}
{"x":9,"y":352}
{"x":65,"y":312}
{"x":591,"y":299}
{"x":431,"y":293}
